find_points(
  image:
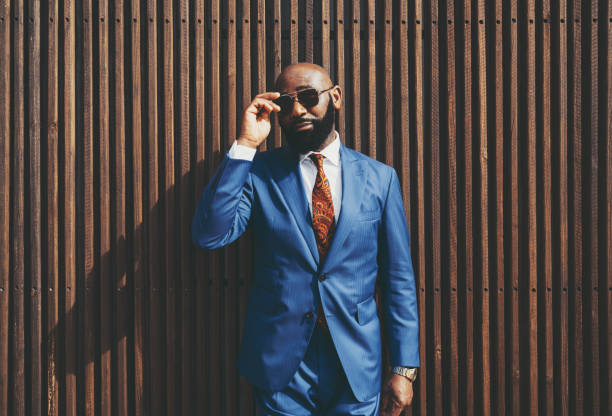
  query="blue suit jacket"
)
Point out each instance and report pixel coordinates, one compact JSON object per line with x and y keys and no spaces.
{"x":371,"y":238}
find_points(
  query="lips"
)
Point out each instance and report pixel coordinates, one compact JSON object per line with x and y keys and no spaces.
{"x":303,"y":125}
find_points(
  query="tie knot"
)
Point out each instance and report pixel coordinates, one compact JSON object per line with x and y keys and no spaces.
{"x":317,"y":158}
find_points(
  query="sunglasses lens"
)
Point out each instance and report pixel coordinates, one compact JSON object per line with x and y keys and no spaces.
{"x":308,"y":98}
{"x":285,"y":102}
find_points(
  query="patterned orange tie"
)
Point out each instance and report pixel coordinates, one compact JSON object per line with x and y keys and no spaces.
{"x":322,"y":218}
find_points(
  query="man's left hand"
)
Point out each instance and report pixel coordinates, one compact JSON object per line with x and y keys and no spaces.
{"x":396,"y":395}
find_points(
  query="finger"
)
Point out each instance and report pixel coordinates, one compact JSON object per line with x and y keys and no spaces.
{"x":267,"y":105}
{"x":268,"y":95}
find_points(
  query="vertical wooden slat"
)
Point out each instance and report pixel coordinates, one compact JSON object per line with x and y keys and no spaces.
{"x":563,"y":373}
{"x":544,"y":98}
{"x":576,"y":232}
{"x":467,"y":232}
{"x":106,"y":287}
{"x":499,"y":354}
{"x":277,"y":59}
{"x":156,"y":341}
{"x":371,"y":83}
{"x":88,"y":266}
{"x":245,"y":403}
{"x":483,"y":226}
{"x":514,"y":221}
{"x":35,"y":267}
{"x":137,"y":231}
{"x":420,"y":192}
{"x":387,"y":75}
{"x":170,"y":225}
{"x":293,"y":32}
{"x":453,"y":310}
{"x":593,"y":216}
{"x":532,"y":260}
{"x":185,"y":296}
{"x":215,"y":405}
{"x":5,"y":202}
{"x":68,"y":188}
{"x":325,"y":37}
{"x":52,"y":219}
{"x":261,"y":53}
{"x":308,"y":31}
{"x":202,"y":389}
{"x":434,"y":189}
{"x":231,"y":257}
{"x":355,"y":69}
{"x":119,"y":246}
{"x":17,"y":228}
{"x":340,"y":69}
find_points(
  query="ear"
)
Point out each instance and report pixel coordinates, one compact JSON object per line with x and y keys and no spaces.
{"x":336,"y":96}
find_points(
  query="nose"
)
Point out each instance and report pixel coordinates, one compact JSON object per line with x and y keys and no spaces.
{"x":297,"y":110}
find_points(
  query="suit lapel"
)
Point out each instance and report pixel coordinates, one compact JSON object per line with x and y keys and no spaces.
{"x":352,"y":189}
{"x":288,"y":176}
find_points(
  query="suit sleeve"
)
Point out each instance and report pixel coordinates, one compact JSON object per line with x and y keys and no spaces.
{"x":224,"y":210}
{"x":397,"y":281}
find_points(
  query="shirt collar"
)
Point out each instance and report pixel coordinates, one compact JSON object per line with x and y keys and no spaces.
{"x":331,"y":151}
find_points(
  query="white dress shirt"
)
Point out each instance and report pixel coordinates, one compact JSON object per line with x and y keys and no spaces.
{"x":331,"y":167}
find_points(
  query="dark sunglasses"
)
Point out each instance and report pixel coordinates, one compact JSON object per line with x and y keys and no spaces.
{"x":308,"y":98}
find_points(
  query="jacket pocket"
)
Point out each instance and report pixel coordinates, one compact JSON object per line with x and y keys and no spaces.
{"x":366,"y":310}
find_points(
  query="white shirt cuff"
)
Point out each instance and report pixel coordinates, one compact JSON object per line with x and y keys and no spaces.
{"x":239,"y":151}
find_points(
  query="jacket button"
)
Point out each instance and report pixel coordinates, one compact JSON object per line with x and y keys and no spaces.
{"x":322,"y":277}
{"x":308,"y":315}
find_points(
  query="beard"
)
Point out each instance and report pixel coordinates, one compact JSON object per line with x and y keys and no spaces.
{"x":305,"y":141}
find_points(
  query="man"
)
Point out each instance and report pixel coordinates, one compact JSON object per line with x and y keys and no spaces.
{"x":326,"y":221}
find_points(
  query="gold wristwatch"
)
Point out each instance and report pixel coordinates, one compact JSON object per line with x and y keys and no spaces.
{"x":408,"y":372}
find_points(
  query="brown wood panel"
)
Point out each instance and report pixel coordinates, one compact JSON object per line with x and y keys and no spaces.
{"x":576,"y":209}
{"x":468,"y":208}
{"x":451,"y":220}
{"x":419,"y":235}
{"x":5,"y":207}
{"x":156,"y":367}
{"x":34,"y":361}
{"x":136,"y":233}
{"x":89,"y":289}
{"x":355,"y":77}
{"x":68,"y":192}
{"x":52,"y":341}
{"x":118,"y":205}
{"x":370,"y":85}
{"x":104,"y":210}
{"x":515,"y":398}
{"x":340,"y":68}
{"x":201,"y":378}
{"x":17,"y":255}
{"x":434,"y":232}
{"x":169,"y":208}
{"x":607,"y":135}
{"x":563,"y":369}
{"x":214,"y":265}
{"x":532,"y":256}
{"x":546,"y":277}
{"x":483,"y":226}
{"x":185,"y":209}
{"x":592,"y":290}
{"x":498,"y":287}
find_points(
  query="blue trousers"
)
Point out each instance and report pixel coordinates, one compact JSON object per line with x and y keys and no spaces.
{"x":319,"y":386}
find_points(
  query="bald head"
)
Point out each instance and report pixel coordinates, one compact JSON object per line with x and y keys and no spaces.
{"x":303,"y":74}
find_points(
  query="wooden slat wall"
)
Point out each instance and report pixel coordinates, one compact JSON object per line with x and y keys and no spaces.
{"x":497,"y":117}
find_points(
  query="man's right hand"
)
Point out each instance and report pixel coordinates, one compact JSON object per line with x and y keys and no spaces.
{"x":256,"y":119}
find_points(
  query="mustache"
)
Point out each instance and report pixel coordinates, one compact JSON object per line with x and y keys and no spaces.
{"x":303,"y":120}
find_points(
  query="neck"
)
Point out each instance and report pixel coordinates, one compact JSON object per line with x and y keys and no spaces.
{"x":330,"y":138}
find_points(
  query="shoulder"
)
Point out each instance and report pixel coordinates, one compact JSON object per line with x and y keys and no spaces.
{"x":375,"y":168}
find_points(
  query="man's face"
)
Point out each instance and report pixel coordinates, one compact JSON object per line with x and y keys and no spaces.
{"x":306,"y":128}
